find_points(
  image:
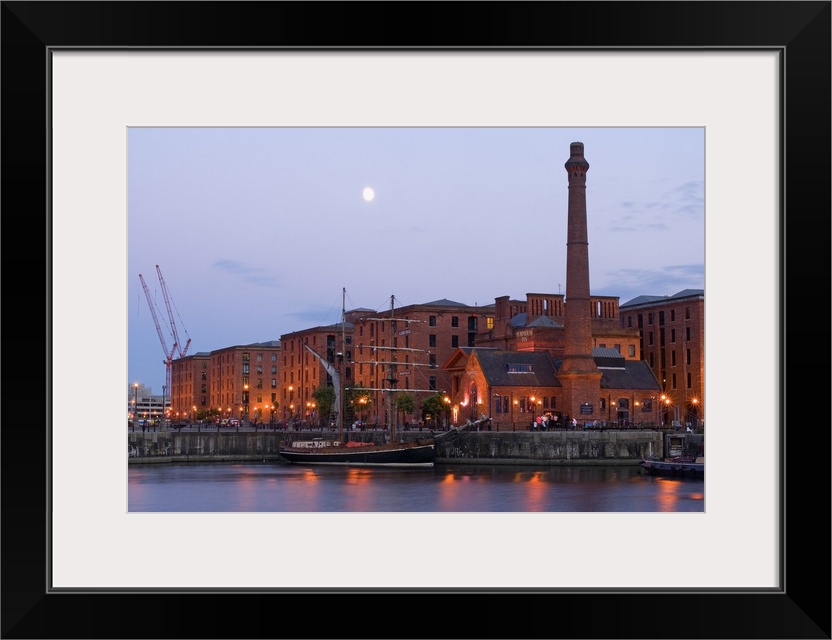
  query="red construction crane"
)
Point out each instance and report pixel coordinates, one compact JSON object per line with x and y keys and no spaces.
{"x":168,"y":354}
{"x":177,"y":342}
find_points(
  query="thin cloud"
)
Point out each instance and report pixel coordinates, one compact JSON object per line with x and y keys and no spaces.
{"x":631,"y":283}
{"x":252,"y":275}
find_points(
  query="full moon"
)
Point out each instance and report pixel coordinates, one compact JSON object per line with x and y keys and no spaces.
{"x":369,"y":194}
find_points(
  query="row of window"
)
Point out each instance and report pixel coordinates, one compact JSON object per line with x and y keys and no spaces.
{"x":259,"y":370}
{"x":661,"y":317}
{"x":688,"y":359}
{"x":247,"y":357}
{"x":526,"y":404}
{"x":672,"y":336}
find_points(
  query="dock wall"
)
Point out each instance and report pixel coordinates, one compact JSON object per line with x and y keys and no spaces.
{"x":486,"y":447}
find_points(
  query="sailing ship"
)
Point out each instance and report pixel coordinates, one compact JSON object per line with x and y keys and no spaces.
{"x":420,"y":452}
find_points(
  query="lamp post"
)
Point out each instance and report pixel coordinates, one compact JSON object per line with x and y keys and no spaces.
{"x":692,"y":413}
{"x":533,"y":407}
{"x":135,"y":403}
{"x":362,"y":401}
{"x":245,"y":402}
{"x":164,"y":391}
{"x":662,"y":400}
{"x":447,"y":402}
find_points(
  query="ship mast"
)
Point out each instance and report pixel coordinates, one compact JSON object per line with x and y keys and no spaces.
{"x":391,"y":374}
{"x":341,"y":365}
{"x":336,"y":372}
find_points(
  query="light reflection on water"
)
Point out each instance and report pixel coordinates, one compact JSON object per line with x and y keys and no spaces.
{"x":285,"y":488}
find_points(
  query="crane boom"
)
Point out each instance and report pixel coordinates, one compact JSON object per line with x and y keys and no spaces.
{"x":168,"y":354}
{"x":177,"y":341}
{"x":152,"y":305}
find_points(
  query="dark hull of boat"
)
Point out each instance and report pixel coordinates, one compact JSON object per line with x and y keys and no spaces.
{"x":672,"y":468}
{"x":422,"y":455}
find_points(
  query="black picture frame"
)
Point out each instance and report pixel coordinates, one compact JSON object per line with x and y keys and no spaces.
{"x":800,"y":31}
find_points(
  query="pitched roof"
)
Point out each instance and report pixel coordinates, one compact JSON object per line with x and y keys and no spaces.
{"x":647,"y":299}
{"x":538,"y":321}
{"x":518,"y":321}
{"x":606,"y":352}
{"x":444,"y":302}
{"x":506,"y":368}
{"x":544,"y":321}
{"x":635,"y":375}
{"x":606,"y":357}
{"x":270,"y":343}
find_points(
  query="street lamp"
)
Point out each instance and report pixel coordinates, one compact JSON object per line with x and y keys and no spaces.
{"x":135,"y":403}
{"x":447,"y":402}
{"x":661,"y":409}
{"x":363,"y":402}
{"x":245,"y":402}
{"x":695,"y":412}
{"x":532,"y":410}
{"x":164,"y":391}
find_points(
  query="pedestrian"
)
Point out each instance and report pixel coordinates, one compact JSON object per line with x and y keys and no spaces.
{"x":574,"y":423}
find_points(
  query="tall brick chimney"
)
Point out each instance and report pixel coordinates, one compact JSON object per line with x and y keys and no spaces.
{"x":579,"y":377}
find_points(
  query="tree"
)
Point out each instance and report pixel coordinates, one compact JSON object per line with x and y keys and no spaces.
{"x":433,"y":405}
{"x":324,"y":399}
{"x":359,"y":399}
{"x":405,"y":403}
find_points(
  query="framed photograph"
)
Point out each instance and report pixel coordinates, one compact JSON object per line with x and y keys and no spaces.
{"x":77,"y":75}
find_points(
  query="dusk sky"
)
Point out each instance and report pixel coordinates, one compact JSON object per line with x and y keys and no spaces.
{"x":256,"y":231}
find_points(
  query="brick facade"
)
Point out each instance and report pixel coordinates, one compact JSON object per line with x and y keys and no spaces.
{"x":672,"y":335}
{"x":235,"y":382}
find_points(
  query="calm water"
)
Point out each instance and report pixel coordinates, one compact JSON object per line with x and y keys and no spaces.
{"x":460,"y":488}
